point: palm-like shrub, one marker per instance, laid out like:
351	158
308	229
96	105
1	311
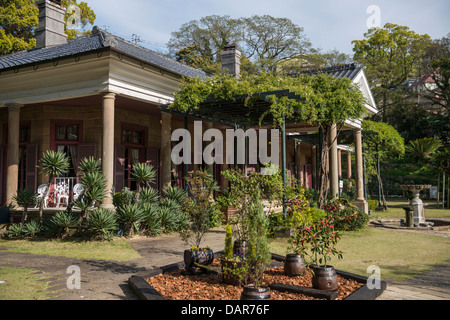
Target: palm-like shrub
144	174
25	198
32	228
175	193
102	222
423	149
94	183
130	216
148	195
15	231
152	219
62	222
53	164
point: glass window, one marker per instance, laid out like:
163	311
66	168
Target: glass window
67	133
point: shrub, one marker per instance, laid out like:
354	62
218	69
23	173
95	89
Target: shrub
61	223
152	219
102	222
130	216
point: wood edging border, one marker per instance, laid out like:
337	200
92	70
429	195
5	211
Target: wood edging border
144	291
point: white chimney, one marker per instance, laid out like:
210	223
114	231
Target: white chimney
231	60
51	24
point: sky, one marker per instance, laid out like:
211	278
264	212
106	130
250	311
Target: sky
329	24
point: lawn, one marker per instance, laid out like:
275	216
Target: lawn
117	250
21	284
400	254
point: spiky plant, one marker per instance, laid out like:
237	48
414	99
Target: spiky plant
102	222
25	198
62	222
152	220
423	149
53	164
144	174
131	217
176	193
148	195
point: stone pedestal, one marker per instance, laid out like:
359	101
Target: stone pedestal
416	203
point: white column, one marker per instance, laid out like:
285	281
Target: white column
12	174
360	202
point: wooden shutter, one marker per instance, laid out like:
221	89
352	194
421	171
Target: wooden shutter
119	168
2	181
31	166
86	150
153	159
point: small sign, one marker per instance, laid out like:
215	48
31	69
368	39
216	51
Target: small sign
433	192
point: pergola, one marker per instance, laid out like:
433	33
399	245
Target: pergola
236	114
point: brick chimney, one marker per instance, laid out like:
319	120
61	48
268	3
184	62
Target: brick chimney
231	60
51	24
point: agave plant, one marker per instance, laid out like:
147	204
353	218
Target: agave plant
25	198
15	231
62	222
175	193
148	195
32	228
131	217
152	218
102	222
53	164
144	174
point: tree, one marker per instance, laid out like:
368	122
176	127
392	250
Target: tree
25	198
52	164
423	149
262	39
391	54
144	174
18	20
79	13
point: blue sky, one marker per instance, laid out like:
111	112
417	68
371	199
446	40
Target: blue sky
329	24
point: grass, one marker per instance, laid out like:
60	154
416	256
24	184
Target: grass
21	284
400	254
117	250
395	210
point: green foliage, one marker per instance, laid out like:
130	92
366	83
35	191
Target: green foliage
329	99
390	55
199	206
423	149
152	219
102	223
23	230
54	163
228	254
18	19
61	223
25	198
87	17
130	216
144	174
126	196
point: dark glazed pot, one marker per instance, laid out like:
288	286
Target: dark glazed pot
201	257
294	265
250	292
325	278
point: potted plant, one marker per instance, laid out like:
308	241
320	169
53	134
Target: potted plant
322	239
200	208
259	255
232	264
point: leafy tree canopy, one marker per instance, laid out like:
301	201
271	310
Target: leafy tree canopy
19	20
263	40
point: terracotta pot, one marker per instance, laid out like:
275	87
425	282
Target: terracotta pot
294	265
325	278
201	257
250	292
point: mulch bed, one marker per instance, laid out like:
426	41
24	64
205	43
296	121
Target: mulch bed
176	286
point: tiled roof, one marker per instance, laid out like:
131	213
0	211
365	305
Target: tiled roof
91	43
349	71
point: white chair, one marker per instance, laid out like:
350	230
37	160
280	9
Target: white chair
40	194
62	193
78	190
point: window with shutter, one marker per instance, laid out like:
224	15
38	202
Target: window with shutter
119	168
31	166
2	175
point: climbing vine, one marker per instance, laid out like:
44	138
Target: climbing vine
327	100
